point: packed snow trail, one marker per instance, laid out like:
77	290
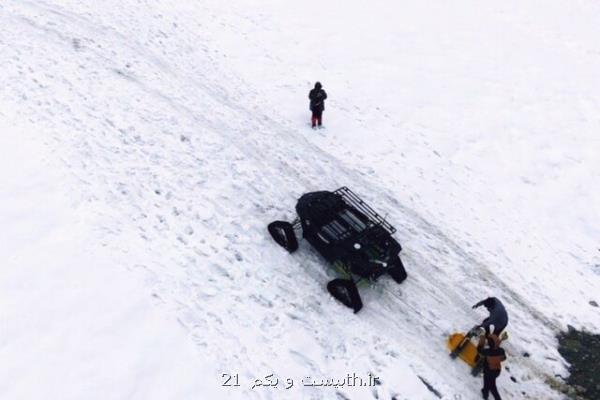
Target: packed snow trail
184	167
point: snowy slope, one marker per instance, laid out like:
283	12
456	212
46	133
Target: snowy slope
156	142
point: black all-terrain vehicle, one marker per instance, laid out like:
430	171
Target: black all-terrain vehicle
349	234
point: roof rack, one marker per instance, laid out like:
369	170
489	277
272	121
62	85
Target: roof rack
352	199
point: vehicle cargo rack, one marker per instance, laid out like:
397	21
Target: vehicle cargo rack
352	199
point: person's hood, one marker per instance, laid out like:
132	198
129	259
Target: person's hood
318	85
489	303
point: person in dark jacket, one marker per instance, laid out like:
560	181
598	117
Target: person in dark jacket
317	98
498	316
493	356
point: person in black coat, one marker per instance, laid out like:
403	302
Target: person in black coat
498	315
317	98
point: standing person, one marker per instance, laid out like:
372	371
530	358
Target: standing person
498	316
492	356
317	98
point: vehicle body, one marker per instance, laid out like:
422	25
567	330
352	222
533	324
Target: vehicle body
349	234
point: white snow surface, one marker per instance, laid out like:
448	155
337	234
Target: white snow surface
145	146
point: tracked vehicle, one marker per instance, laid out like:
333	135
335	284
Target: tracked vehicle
349	234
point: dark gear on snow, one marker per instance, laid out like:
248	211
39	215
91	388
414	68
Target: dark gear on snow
498	316
317	98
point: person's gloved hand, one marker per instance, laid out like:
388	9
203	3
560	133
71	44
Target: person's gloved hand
475	306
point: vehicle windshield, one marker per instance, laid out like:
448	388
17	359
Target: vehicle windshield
353	220
346	223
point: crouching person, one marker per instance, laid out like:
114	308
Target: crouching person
493	356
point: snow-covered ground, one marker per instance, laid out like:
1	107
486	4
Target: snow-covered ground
145	146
